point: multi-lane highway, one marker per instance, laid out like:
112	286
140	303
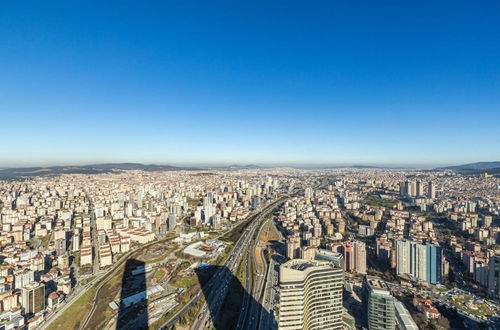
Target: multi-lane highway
217	287
267	317
258	308
249	315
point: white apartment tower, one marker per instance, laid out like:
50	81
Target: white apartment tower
310	295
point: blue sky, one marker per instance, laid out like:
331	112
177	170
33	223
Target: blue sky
266	82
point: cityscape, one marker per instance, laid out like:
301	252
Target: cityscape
234	165
251	248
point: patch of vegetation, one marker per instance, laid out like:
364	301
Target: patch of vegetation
376	201
74	315
184	281
159	274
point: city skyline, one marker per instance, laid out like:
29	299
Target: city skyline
226	83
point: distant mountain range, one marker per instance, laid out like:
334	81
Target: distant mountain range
12	173
479	166
84	169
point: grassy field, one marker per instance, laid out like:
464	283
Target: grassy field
159	274
184	282
379	202
75	314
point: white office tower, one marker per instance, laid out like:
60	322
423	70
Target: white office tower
310	295
431	190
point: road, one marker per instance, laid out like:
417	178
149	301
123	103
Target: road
94	238
218	292
102	274
267	319
250	312
218	285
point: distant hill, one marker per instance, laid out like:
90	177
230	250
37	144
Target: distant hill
481	166
84	169
365	166
247	167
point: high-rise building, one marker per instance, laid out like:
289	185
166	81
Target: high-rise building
210	197
431	190
33	298
412	189
60	246
354	256
310	295
420	188
293	247
308	193
494	277
208	213
403	257
172	222
23	278
255	202
348	250
422	261
378	304
359	257
76	240
403	188
434	264
418	260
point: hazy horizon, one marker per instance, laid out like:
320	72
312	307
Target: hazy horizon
260	164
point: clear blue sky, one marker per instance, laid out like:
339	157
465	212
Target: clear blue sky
211	82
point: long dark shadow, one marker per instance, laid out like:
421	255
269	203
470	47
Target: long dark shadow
133	309
225	298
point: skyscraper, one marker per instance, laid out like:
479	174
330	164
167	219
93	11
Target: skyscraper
310	295
360	257
172	222
292	247
378	304
354	256
348	250
420	188
402	257
418	260
33	298
422	261
412	188
434	263
494	277
431	190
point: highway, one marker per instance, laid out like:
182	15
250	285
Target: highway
219	284
218	293
249	315
267	318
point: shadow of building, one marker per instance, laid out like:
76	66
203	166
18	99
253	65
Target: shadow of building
133	307
225	299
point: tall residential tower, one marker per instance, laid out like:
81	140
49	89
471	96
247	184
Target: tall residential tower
310	295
